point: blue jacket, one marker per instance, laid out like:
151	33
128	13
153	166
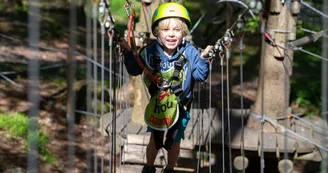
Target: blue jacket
199	67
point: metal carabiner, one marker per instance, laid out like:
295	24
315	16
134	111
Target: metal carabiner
164	84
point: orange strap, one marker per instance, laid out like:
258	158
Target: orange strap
155	79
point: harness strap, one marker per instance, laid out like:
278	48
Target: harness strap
175	87
182	97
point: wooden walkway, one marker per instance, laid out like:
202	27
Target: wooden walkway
197	134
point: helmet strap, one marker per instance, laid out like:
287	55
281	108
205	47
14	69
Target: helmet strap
183	40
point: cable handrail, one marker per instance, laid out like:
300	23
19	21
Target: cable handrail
265	118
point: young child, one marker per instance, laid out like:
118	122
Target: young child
169	67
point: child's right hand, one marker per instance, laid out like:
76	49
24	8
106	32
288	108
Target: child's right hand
124	44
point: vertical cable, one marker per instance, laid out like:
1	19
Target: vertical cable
127	96
198	126
114	120
202	121
71	96
211	123
262	163
88	94
192	113
286	87
228	108
324	84
110	101
242	97
95	79
33	85
120	105
102	95
222	116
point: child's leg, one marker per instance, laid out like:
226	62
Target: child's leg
173	155
151	152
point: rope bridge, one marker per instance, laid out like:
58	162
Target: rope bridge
216	138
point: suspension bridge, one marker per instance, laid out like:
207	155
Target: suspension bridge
219	136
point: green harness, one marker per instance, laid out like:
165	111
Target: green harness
168	97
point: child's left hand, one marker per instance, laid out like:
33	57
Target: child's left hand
206	52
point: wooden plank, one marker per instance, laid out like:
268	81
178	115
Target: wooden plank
304	130
132	168
141	148
250	139
286	143
144	139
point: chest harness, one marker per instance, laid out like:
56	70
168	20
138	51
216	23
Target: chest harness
175	82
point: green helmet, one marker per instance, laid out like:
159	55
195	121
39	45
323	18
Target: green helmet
170	9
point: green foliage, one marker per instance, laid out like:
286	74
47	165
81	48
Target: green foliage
306	79
42	142
3	6
16	124
252	25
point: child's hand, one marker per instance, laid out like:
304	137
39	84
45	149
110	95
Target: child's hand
206	52
124	44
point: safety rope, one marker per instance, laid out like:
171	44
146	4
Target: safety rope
130	11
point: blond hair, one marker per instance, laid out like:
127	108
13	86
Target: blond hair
164	23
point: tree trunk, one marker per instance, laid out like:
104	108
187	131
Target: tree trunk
273	98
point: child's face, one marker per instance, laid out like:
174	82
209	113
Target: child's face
170	36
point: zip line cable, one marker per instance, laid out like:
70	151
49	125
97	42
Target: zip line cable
241	3
197	23
290	46
11	81
61	51
314	9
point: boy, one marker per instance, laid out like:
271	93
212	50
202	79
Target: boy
169	67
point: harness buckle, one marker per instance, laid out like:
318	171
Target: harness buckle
176	88
164	84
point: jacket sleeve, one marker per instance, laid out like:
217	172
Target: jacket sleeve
199	65
131	64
